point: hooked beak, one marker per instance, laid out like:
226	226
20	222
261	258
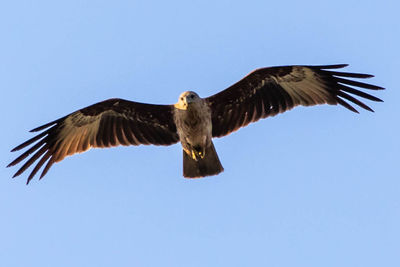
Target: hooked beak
188	100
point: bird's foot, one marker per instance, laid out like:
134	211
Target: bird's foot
194	155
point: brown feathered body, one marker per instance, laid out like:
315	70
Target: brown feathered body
192	117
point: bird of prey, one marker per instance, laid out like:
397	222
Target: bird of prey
193	121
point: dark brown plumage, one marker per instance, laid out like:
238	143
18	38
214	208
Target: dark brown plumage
264	92
241	103
105	124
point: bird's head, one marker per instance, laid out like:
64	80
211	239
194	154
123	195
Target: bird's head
187	98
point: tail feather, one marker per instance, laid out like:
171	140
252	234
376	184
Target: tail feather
209	165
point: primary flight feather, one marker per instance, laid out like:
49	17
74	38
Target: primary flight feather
193	121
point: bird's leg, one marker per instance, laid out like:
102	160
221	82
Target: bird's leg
202	153
194	156
198	151
190	152
188	148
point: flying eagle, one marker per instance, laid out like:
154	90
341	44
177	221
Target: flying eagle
193	121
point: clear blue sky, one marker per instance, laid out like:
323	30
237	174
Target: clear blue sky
315	186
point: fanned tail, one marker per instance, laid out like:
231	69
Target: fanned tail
209	165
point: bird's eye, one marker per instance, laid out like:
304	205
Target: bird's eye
181	98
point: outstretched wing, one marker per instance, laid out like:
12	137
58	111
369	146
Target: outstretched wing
109	123
268	91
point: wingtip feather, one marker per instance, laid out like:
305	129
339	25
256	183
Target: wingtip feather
37	129
346	105
29	180
47	125
333	66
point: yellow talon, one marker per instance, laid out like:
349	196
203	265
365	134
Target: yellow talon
201	155
194	155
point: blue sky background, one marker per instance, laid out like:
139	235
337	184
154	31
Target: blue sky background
315	186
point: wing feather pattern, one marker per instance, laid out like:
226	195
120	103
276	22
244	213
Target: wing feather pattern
269	91
109	123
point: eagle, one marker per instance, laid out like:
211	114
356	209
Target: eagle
193	121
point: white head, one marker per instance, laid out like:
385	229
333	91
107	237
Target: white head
187	98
